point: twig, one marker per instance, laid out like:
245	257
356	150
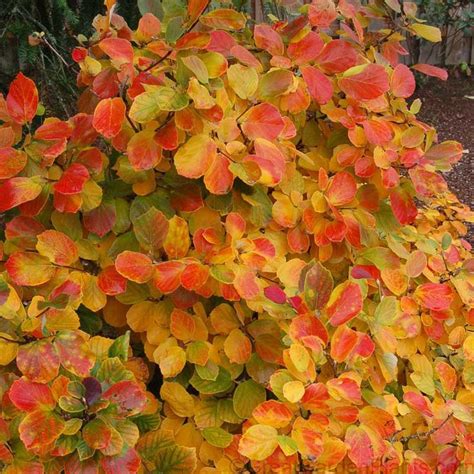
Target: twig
422	436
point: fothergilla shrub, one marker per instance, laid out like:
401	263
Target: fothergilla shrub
257	211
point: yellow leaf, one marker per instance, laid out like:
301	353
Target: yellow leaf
427	32
178	398
258	442
243	80
293	391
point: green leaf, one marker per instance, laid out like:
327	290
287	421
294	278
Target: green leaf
120	347
222	383
174	29
217	437
151	6
247	396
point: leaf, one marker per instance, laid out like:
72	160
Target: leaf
342	189
57	247
402	82
434	296
197	67
160	454
275	83
194	157
16	191
128	397
134	266
345	303
39	361
258	442
143	151
217	437
72	180
31	396
222	383
151	230
12	161
40	428
422	375
97	434
366	84
109	116
319	85
430	70
74	352
427	32
29	269
416	263
360	446
293	391
178	398
403	206
223	19
262	121
196	8
156	99
318	285
118	49
151	6
243	80
237	347
272	413
247	396
22	99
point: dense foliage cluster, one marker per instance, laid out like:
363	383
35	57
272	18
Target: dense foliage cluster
259	211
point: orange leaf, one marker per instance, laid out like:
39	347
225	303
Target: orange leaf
57	247
368	84
118	49
22	99
29	269
109	116
342	189
17	191
237	347
434	296
134	266
430	70
11	162
272	413
262	121
319	86
402	82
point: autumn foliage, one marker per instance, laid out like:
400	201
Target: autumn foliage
259	214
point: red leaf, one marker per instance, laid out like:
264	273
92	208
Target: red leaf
118	49
22	99
73	179
402	82
74	352
378	132
322	13
307	49
268	39
345	303
319	86
369	84
167	276
195	8
128	462
111	282
430	70
29	396
128	396
337	56
17	191
403	206
101	219
108	117
434	296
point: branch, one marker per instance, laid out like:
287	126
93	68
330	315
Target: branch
422	436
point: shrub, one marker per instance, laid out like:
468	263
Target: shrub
265	213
